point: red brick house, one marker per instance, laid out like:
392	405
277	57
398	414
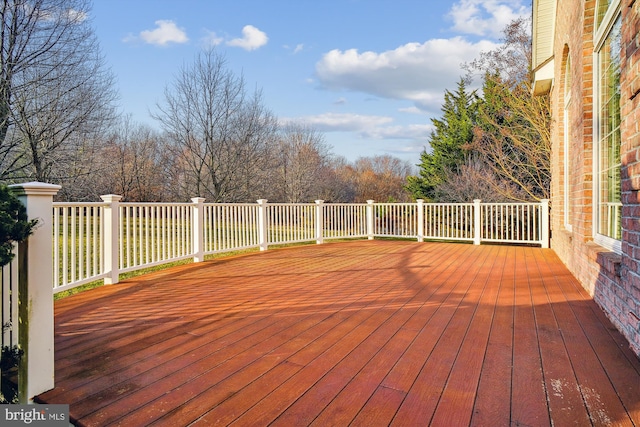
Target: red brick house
586	55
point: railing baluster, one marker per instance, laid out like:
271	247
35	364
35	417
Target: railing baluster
150	234
216	228
81	251
65	246
57	243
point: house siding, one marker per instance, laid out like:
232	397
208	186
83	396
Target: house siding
613	279
543	23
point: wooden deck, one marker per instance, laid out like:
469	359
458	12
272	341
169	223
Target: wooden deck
360	333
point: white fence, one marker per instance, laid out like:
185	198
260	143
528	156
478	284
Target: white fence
99	241
94	241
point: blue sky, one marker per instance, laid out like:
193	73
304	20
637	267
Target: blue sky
368	74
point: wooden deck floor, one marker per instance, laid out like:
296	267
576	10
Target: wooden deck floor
360	333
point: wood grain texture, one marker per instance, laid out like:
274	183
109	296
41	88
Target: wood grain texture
361	333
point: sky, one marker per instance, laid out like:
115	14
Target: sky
369	75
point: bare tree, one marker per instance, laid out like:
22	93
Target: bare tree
512	134
474	180
511	59
134	164
337	181
218	132
301	159
381	178
513	137
55	94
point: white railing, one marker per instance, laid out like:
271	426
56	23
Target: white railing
511	222
290	223
94	241
342	221
78	236
395	219
230	227
98	241
449	221
152	234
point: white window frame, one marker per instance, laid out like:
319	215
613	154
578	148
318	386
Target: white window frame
608	21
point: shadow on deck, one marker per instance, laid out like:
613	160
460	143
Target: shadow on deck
359	333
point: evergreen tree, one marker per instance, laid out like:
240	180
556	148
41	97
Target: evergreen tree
14	224
450	142
495	146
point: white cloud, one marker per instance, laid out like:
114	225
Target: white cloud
71	16
212	39
76	16
411	110
252	38
365	126
296	49
405	141
418	132
166	32
419	72
486	17
341	122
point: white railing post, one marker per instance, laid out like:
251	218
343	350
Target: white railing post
420	203
319	222
263	235
111	238
370	219
544	232
35	292
198	229
477	222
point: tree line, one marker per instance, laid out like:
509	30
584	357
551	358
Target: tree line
216	139
282	163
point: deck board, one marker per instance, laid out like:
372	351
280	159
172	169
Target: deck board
458	396
425	392
493	395
360	333
565	401
529	399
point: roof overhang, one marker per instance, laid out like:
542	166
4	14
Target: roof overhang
543	77
543	35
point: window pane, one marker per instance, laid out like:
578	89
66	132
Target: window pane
609	135
603	5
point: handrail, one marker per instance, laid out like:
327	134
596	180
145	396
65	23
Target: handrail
148	234
99	241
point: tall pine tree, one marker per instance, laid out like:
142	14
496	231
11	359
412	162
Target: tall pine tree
450	142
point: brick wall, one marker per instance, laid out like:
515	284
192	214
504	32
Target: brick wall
613	279
624	302
574	42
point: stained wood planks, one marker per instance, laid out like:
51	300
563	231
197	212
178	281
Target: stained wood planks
359	333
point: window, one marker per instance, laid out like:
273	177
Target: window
603	7
567	150
607	130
